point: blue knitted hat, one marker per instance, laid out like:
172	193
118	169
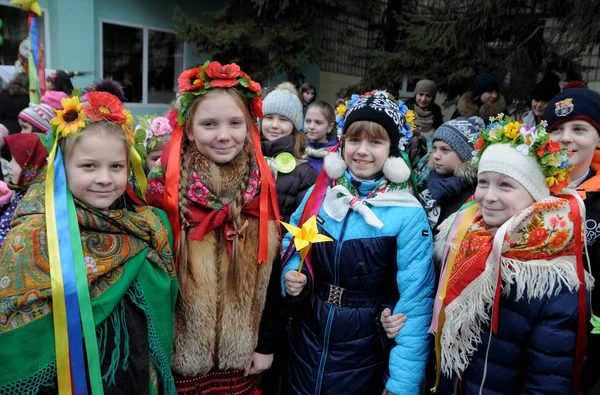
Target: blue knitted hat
572	104
460	134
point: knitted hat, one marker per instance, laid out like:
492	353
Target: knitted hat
484	83
426	86
380	109
525	154
547	88
397	120
572	104
459	134
283	102
38	115
53	98
504	159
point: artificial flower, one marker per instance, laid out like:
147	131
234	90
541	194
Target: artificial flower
223	76
160	126
70	118
189	80
254	86
128	117
512	130
480	143
104	106
410	116
341	109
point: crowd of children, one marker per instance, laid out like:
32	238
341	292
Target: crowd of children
238	234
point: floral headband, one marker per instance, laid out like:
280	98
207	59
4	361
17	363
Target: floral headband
405	124
153	132
198	81
529	141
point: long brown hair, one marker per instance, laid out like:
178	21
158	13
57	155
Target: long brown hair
185	273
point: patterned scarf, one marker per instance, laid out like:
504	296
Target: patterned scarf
533	251
109	239
209	211
342	196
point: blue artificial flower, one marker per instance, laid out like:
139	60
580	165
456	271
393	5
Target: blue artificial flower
402	107
340	121
353	99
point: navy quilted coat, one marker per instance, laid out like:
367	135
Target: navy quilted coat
337	345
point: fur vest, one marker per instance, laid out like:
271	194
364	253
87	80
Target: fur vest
216	324
468	108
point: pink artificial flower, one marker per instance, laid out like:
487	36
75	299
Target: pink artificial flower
5	193
160	126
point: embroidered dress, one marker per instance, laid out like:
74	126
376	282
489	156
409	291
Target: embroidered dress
128	259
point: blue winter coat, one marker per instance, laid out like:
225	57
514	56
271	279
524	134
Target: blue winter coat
339	347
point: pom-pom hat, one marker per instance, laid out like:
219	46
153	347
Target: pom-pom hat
397	120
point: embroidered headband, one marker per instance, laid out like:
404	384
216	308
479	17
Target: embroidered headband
528	141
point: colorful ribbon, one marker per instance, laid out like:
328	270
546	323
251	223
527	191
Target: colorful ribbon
138	171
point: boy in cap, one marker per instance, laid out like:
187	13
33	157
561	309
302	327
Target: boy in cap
453	178
573	118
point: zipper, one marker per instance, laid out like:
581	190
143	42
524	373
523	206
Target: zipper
336	264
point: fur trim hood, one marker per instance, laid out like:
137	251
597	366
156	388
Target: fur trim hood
468	108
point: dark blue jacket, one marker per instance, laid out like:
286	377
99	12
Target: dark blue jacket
532	353
337	345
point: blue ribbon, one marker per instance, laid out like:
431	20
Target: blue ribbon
78	370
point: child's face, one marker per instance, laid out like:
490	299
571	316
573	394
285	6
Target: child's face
499	197
581	138
14	171
489	97
365	156
219	128
25	126
97	169
275	126
308	96
444	158
316	125
152	157
424	99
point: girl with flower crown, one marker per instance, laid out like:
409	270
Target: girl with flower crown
86	273
220	196
379	261
155	132
511	311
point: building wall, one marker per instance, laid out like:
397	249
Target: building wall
332	83
74	41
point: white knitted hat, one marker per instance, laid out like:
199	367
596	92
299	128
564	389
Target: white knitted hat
504	159
283	102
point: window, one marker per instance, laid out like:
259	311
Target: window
14	30
146	62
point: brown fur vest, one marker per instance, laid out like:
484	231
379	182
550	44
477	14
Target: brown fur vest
468	108
216	325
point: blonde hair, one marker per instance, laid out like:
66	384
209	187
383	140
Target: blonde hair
185	270
104	128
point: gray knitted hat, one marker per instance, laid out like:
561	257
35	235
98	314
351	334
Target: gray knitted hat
283	102
426	86
459	134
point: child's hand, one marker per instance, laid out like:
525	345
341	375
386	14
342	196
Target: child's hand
392	323
294	284
258	363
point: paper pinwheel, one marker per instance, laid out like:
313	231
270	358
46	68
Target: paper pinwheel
305	236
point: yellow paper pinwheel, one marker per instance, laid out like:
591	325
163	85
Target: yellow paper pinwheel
28	5
305	236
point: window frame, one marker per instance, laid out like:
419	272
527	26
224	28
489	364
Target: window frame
145	51
46	43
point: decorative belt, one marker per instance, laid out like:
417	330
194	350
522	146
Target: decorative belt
341	297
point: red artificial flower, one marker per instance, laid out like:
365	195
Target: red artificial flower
172	117
553	146
542	148
219	72
254	86
104	106
223	83
480	143
256	105
189	80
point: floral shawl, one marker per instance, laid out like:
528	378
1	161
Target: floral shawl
537	256
123	250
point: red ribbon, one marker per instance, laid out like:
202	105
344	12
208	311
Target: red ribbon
582	322
171	196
